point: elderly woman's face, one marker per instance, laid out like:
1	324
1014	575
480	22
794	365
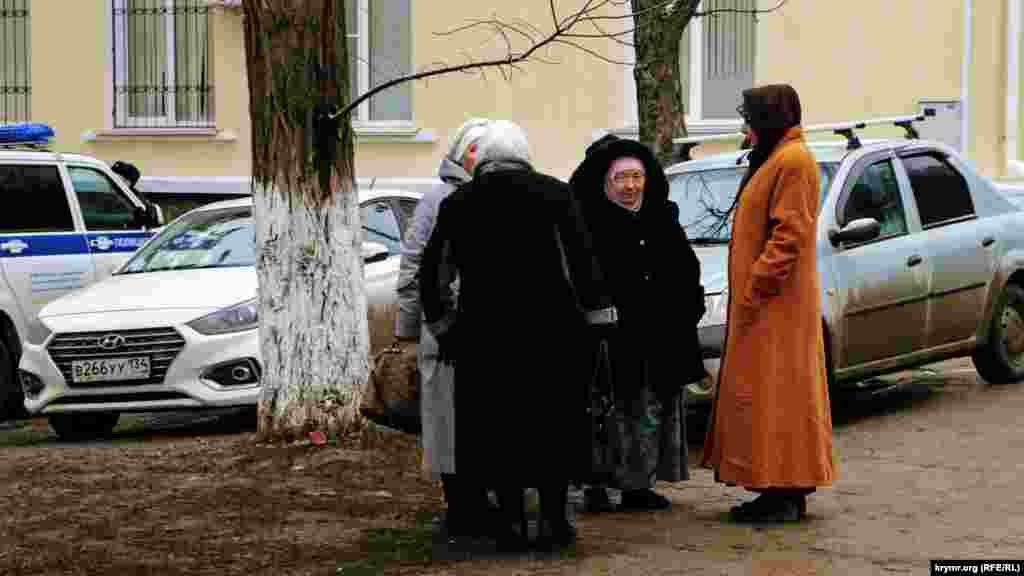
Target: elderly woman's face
626	180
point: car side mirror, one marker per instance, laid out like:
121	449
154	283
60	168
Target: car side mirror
148	216
374	252
155	215
859	230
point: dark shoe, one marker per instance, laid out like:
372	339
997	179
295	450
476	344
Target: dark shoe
596	501
510	541
556	537
770	509
457	526
643	500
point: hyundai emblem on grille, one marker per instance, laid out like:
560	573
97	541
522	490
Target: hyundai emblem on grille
111	341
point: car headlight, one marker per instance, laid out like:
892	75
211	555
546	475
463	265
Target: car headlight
236	318
715	308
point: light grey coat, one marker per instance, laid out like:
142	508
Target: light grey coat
437	395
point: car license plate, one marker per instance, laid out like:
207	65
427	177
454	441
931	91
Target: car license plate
110	369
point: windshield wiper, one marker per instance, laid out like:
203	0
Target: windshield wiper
181	268
709	241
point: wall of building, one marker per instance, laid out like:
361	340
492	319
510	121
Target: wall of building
559	104
72	91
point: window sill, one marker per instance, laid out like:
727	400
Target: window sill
693	127
164	134
392	133
1015	169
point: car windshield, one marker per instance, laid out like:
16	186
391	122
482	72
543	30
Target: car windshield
705	199
223	238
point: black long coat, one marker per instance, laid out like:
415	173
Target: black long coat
526	273
652	271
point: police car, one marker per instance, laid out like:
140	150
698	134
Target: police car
70	220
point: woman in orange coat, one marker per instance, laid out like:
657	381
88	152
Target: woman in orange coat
771	424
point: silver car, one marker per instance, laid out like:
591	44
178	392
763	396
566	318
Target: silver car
921	259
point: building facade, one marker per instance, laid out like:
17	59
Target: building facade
162	83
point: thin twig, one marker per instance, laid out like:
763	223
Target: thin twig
563	33
752	11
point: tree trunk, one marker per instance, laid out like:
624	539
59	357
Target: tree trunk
312	306
658	90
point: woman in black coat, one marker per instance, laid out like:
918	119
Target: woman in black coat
654	277
528	287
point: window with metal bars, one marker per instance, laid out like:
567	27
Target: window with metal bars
163	64
716	58
15	62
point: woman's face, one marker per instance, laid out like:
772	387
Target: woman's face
749	132
626	185
747	129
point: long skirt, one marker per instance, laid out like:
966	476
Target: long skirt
642	436
437	401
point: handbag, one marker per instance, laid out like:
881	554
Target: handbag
601	417
392	394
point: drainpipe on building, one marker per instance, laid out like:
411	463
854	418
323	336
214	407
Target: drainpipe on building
965	78
1014	167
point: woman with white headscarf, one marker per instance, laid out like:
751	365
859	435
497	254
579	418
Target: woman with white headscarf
528	288
436	384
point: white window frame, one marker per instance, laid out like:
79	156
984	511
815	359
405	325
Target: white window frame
695	112
128	125
361	120
1014	28
121	43
696	125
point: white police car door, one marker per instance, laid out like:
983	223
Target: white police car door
111	220
43	252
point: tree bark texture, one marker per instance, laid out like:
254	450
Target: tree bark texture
658	90
312	305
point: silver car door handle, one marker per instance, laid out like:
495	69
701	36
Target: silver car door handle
988	241
914	260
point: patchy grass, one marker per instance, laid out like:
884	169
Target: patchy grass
384	547
25	433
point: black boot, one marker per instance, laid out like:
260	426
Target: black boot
646	499
596	500
773	506
456	521
559	532
512	533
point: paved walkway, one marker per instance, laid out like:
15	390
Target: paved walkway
931	470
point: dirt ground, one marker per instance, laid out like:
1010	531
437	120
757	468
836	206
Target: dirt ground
929	470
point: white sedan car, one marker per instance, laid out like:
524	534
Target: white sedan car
176	327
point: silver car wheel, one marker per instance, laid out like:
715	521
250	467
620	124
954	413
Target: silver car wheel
1012	322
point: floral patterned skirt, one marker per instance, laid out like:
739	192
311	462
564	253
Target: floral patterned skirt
641	441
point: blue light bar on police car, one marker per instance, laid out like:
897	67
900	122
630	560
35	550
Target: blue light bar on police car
25	133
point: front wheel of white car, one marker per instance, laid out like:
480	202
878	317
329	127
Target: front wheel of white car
1001	360
84	426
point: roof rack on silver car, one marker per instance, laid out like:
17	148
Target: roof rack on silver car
845	129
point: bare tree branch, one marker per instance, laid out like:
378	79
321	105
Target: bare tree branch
752	11
594	53
565	32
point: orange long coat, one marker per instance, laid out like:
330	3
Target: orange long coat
771	424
